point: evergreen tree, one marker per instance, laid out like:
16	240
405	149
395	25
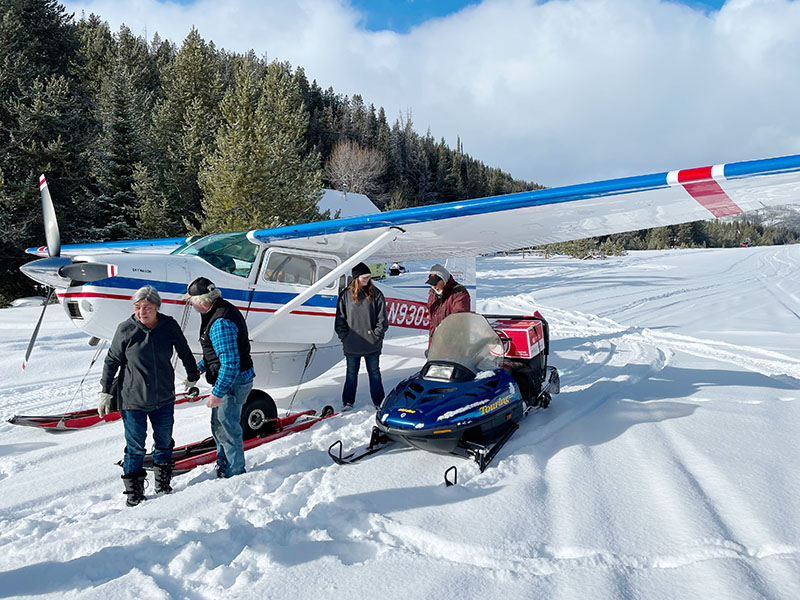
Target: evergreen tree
684	235
152	204
98	49
184	124
258	175
44	125
124	118
659	238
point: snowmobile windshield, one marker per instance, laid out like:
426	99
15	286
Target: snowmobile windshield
466	339
229	252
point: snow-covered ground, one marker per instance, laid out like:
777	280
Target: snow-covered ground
666	468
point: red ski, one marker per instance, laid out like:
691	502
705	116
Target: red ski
204	452
84	418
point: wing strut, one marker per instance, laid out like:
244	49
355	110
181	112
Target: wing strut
388	236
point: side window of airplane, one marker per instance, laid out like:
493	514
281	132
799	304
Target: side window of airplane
288	268
325	266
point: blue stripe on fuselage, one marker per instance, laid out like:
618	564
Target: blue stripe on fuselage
241	295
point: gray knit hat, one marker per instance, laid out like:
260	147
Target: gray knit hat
149	293
437	272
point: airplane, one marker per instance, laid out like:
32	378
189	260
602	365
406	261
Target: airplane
286	280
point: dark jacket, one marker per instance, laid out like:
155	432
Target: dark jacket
361	326
222	309
143	358
454	299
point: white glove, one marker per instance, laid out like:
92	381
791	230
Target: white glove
104	404
189	383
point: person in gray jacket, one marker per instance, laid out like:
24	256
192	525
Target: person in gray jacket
361	323
141	352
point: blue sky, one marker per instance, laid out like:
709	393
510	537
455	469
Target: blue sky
556	92
402	15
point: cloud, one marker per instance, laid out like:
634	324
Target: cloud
555	92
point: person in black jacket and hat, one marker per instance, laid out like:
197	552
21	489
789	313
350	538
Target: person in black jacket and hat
141	352
361	324
228	367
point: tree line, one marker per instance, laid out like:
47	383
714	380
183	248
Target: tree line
697	234
145	138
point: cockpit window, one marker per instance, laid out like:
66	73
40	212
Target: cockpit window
288	268
229	252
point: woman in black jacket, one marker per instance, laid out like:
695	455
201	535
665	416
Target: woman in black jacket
361	323
141	352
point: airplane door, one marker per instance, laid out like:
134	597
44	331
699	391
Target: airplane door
284	274
178	275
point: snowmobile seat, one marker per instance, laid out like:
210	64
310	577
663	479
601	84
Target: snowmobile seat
526	374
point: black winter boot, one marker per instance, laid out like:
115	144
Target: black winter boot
162	472
134	487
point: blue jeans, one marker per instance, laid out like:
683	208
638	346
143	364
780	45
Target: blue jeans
227	429
135	422
351	378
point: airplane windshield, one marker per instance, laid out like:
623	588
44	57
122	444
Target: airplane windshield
229	252
468	340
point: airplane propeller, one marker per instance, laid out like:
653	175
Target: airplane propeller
58	271
53	238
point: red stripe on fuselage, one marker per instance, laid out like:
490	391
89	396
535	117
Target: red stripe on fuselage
703	188
168	301
294	312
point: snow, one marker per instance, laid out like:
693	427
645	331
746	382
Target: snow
666	468
347	205
28	301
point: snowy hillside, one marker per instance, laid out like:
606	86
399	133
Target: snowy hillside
666	468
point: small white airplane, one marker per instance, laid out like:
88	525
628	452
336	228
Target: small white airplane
286	280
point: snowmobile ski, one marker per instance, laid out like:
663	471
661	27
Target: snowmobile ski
189	456
378	441
86	418
484	455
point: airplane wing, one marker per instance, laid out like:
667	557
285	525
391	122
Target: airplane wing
157	246
480	226
473	227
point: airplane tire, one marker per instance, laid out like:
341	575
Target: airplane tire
258	415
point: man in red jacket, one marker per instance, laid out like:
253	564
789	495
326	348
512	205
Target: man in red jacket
446	297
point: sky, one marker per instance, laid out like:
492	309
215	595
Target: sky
665	469
556	92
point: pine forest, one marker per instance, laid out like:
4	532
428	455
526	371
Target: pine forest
152	138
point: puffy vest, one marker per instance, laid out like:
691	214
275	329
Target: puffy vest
222	309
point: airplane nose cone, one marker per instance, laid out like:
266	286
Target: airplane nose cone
46	271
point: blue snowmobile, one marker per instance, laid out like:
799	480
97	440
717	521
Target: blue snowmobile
483	374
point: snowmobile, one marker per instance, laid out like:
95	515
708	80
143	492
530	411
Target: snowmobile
483	374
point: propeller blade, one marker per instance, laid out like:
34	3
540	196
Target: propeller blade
51	233
82	272
36	331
